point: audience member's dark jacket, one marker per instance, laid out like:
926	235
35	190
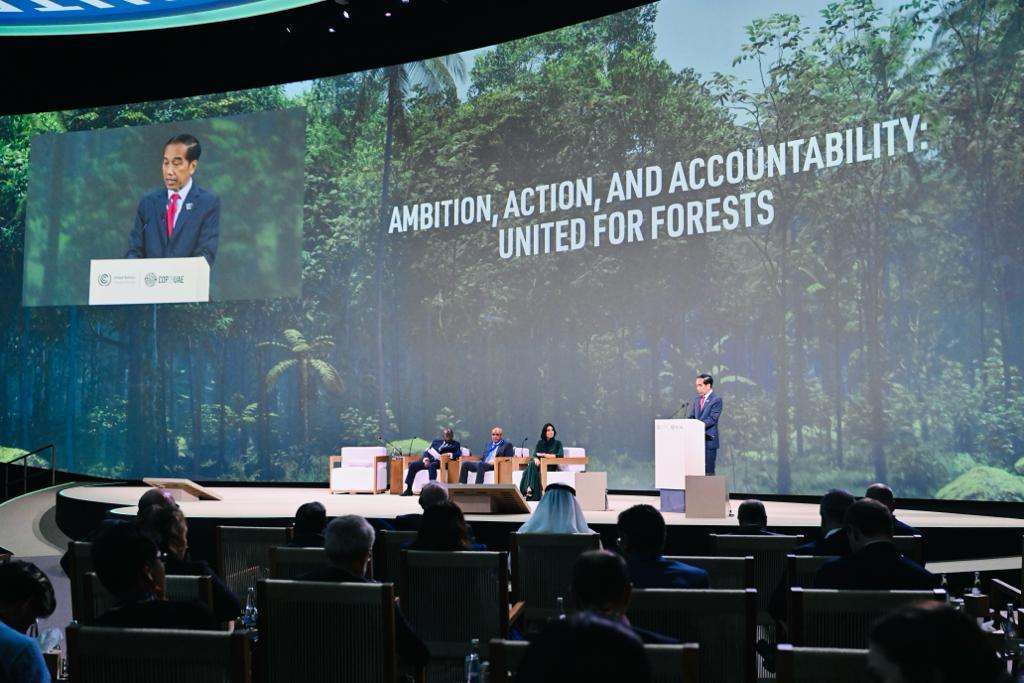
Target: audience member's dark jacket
193	616
834	544
307	541
878	566
411	648
226	605
658	572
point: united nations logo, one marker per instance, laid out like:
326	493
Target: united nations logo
150	279
103	279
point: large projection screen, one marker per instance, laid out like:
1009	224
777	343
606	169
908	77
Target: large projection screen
818	205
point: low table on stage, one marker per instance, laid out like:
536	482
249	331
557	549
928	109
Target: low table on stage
483	499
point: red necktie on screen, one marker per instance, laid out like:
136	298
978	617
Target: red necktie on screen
171	211
701	409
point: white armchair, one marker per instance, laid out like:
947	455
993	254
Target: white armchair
358	469
574	460
423	476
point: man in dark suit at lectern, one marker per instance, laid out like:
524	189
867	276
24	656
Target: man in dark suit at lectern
707	407
180	219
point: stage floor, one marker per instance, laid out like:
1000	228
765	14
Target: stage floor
281	502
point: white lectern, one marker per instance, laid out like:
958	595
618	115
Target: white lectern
149	281
678	453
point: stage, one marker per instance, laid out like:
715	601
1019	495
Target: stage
949	536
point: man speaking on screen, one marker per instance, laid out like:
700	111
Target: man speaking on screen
707	407
180	219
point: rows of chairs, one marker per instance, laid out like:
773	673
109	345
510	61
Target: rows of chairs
451	598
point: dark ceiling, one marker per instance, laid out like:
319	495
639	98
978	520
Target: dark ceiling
62	72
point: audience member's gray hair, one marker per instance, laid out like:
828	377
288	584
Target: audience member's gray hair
348	537
432	493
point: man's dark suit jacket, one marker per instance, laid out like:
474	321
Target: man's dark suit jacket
878	566
454	448
506	451
709	416
411	648
196	230
658	572
836	544
903	529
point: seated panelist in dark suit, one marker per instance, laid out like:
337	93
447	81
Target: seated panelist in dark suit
446	444
498	448
875	563
180	219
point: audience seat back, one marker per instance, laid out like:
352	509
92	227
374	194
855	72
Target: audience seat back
129	655
801	569
769	553
451	598
542	567
842	618
721	621
242	554
97	600
324	632
287	562
820	665
912	547
723	572
390	546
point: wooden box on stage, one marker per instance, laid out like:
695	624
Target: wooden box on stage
707	497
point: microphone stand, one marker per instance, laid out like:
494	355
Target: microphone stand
682	409
396	453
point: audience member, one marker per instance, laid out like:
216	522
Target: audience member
883	494
348	543
931	643
169	527
557	513
642	540
153	497
444	528
585	647
875	563
130	565
600	584
833	541
308	527
432	493
753	519
25	595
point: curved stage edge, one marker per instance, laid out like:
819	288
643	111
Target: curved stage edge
949	535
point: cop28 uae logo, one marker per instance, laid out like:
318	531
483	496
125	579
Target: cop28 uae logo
52	17
150	279
103	279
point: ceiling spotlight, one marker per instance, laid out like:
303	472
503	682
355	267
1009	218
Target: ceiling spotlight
330	30
345	14
387	14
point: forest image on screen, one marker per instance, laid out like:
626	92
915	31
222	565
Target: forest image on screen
821	210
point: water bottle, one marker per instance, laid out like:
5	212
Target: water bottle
976	588
561	608
1010	624
473	662
250	613
945	586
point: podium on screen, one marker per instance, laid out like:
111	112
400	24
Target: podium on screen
149	281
